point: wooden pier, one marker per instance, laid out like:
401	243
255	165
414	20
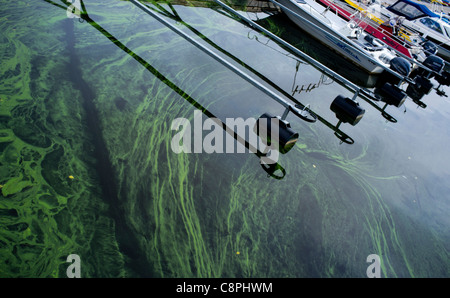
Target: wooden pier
247	5
261	6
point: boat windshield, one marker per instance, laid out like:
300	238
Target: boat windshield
432	24
447	30
439	27
410	10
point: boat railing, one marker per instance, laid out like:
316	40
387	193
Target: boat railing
438	8
404	34
321	15
363	19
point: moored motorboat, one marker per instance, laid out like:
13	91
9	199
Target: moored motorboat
373	13
414	17
340	35
362	18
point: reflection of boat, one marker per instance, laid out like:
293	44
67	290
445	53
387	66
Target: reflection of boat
338	34
312	47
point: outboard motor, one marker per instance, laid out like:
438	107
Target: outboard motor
268	126
429	48
422	81
347	110
434	63
400	65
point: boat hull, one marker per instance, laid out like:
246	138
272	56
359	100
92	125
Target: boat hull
337	44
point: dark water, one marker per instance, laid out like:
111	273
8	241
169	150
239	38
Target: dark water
87	166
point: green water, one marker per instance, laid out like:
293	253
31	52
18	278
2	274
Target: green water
87	166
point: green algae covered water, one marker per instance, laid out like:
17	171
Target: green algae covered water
87	166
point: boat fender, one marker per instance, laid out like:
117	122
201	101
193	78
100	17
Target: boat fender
347	110
400	65
284	136
429	48
434	63
391	94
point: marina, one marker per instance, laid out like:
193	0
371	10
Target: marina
131	137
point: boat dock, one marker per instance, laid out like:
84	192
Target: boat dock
247	5
261	6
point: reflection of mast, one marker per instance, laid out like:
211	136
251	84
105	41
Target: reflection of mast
271	169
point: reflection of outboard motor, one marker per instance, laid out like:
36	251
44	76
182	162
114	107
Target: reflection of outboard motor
416	94
347	110
391	94
267	126
429	48
423	85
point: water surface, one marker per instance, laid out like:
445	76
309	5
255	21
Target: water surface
87	166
